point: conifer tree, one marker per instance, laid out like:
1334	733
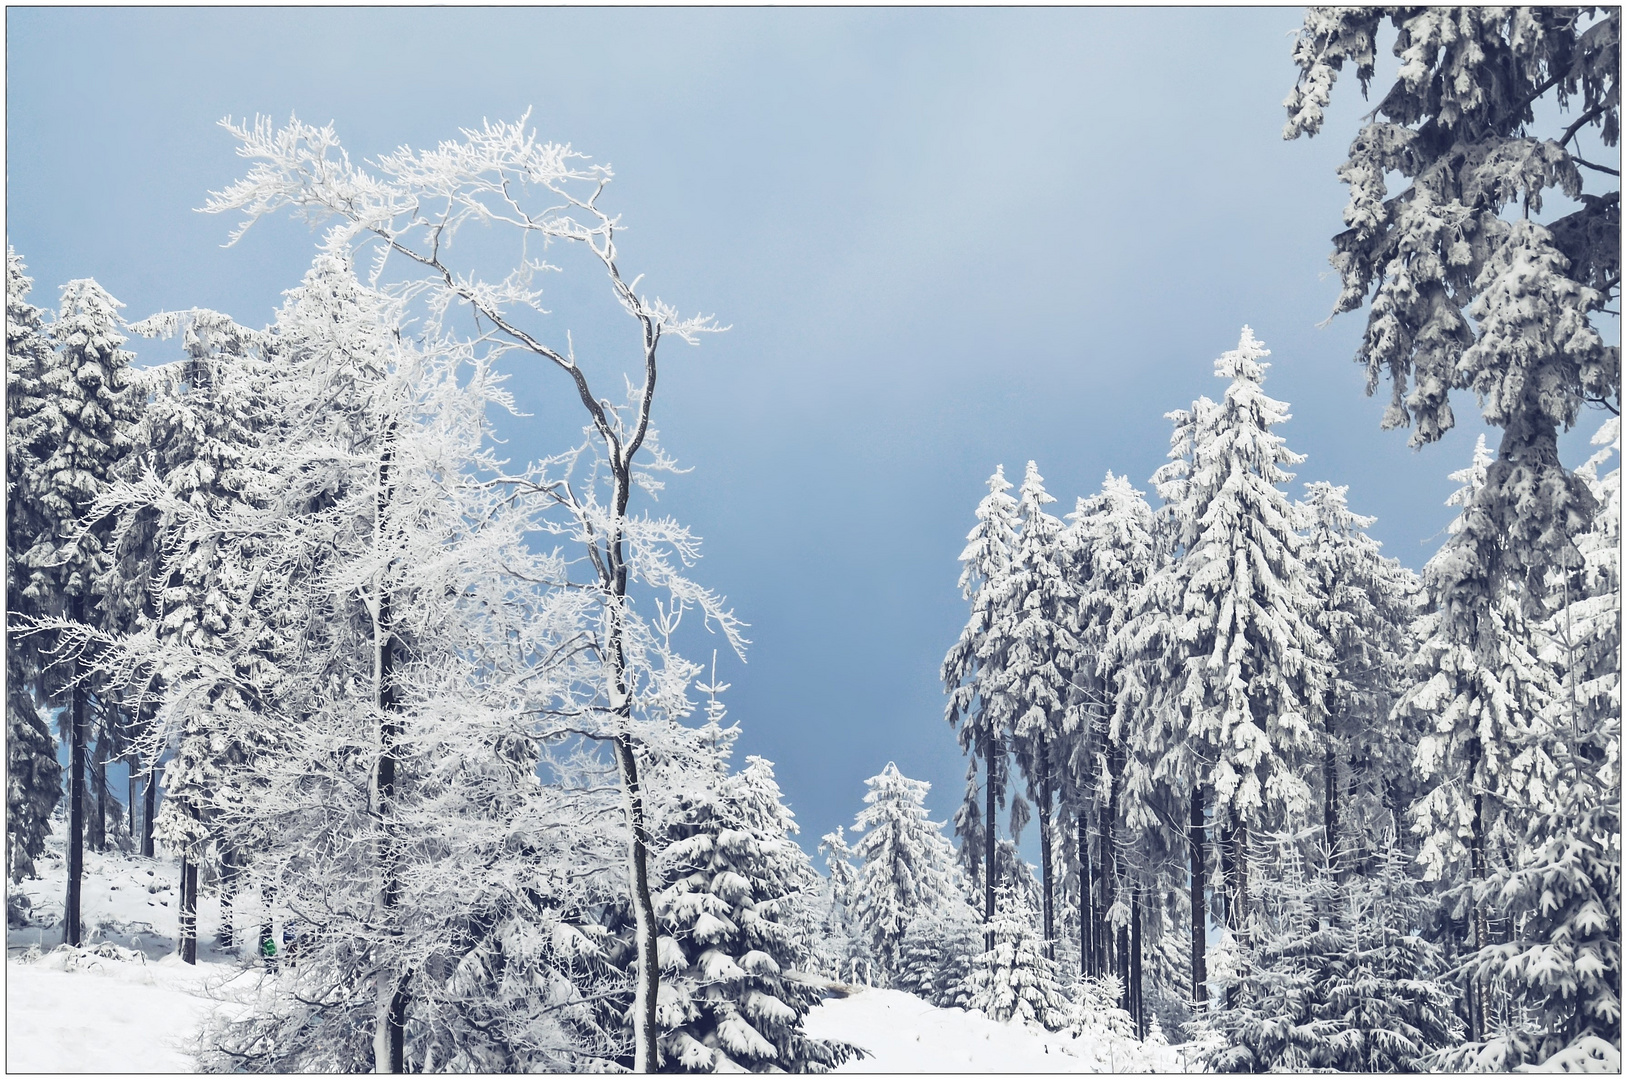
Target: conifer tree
909	866
974	670
1224	636
33	775
730	998
88	408
1112	536
1034	606
1365	614
1014	979
1476	691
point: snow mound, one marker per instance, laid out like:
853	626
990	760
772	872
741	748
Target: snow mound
902	1033
1587	1055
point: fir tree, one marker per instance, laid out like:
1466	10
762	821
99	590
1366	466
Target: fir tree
730	997
972	672
88	408
33	775
1034	604
909	866
1014	980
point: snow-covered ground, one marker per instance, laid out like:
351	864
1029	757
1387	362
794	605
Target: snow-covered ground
124	1002
905	1034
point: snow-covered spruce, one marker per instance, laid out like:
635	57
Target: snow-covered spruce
732	997
909	866
33	776
1014	979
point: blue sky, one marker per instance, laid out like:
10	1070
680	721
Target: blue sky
944	239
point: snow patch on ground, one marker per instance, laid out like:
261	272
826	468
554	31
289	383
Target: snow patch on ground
124	1002
905	1034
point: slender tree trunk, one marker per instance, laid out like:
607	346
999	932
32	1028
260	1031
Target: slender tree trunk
991	753
1115	872
1477	918
189	910
149	808
98	820
130	794
1330	813
646	1030
1135	964
389	1033
1237	900
228	892
76	797
1047	878
1087	902
1200	911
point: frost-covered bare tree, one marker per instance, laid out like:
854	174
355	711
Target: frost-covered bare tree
409	207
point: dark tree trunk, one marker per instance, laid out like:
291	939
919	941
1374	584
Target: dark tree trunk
1110	856
389	1042
1135	964
98	819
991	754
1087	902
228	892
76	800
189	910
1330	813
1200	911
149	808
1237	896
1047	878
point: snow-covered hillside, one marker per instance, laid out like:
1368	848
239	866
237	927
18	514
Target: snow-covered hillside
902	1033
125	1002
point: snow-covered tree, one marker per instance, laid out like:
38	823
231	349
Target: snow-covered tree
908	864
1033	608
1113	549
1014	979
1365	614
1224	637
33	775
973	670
731	996
937	954
411	206
88	407
1478	687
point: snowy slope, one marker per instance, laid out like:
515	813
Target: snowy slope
125	1002
905	1034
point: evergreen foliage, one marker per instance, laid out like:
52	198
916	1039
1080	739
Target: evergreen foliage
1014	980
908	864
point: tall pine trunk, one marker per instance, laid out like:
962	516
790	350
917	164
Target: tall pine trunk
149	808
98	820
76	797
1115	769
189	910
1087	901
1330	813
991	753
1135	964
1200	911
1047	879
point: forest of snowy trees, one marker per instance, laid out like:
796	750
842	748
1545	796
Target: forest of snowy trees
1295	806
